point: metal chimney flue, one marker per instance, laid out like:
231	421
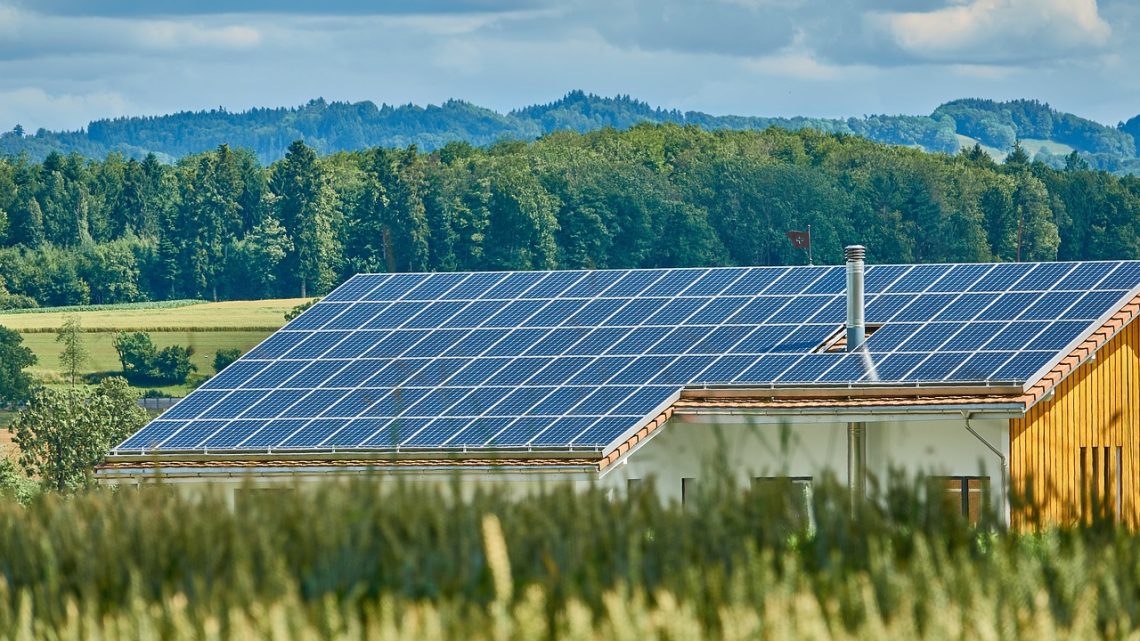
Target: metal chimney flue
856	325
856	334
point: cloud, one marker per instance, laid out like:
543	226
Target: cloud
36	107
997	31
150	8
26	34
64	62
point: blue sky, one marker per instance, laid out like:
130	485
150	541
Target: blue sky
66	62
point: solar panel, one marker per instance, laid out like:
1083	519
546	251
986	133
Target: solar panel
575	359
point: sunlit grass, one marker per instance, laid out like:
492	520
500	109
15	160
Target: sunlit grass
207	327
265	315
378	561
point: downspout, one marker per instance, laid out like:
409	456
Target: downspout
856	334
1004	500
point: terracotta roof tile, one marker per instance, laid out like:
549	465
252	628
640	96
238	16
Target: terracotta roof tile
1040	388
641	435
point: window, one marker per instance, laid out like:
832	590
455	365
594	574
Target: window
1102	483
246	498
965	494
688	489
796	489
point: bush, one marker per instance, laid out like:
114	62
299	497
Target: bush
16	301
143	362
223	357
172	364
16	485
136	354
300	309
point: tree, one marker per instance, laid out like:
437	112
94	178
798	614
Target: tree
306	207
15	383
253	262
74	354
141	360
172	364
1074	162
62	435
223	357
136	353
1017	156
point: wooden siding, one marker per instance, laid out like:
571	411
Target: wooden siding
1074	436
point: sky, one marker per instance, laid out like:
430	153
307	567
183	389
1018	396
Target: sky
64	63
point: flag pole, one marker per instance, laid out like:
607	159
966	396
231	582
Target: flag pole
809	246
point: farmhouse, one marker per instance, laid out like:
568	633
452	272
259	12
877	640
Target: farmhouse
984	375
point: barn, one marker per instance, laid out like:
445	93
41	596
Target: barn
993	378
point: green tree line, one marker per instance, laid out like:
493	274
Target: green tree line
220	225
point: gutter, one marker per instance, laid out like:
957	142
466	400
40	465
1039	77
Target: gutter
1002	461
993	410
140	473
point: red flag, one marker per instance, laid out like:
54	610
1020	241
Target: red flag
800	239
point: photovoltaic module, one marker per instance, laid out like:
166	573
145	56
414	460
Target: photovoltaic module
577	359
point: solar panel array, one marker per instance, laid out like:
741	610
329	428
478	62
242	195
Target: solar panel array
578	359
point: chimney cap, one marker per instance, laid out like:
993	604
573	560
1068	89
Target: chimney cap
855	252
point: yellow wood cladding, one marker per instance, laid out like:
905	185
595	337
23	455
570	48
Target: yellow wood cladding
1078	452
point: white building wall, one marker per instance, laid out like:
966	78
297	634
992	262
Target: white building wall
746	450
743	447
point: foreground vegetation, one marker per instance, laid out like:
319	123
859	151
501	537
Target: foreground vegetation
386	562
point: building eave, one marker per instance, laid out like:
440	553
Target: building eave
1041	386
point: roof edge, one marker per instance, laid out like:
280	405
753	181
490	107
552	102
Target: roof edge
850	391
1041	386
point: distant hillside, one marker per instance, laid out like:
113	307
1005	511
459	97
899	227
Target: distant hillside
1046	133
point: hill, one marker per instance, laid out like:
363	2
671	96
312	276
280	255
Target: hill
331	127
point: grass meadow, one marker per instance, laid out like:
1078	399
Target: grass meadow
207	327
378	560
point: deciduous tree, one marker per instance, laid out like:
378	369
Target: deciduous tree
63	434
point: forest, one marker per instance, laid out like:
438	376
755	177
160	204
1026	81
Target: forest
330	127
220	225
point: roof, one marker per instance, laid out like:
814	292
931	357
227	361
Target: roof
583	361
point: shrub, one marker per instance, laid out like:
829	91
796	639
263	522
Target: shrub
300	309
223	357
142	361
136	354
172	364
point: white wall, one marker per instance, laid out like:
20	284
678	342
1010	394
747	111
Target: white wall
744	448
750	449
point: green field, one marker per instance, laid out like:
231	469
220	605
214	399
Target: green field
1030	145
257	315
207	327
966	142
1034	145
